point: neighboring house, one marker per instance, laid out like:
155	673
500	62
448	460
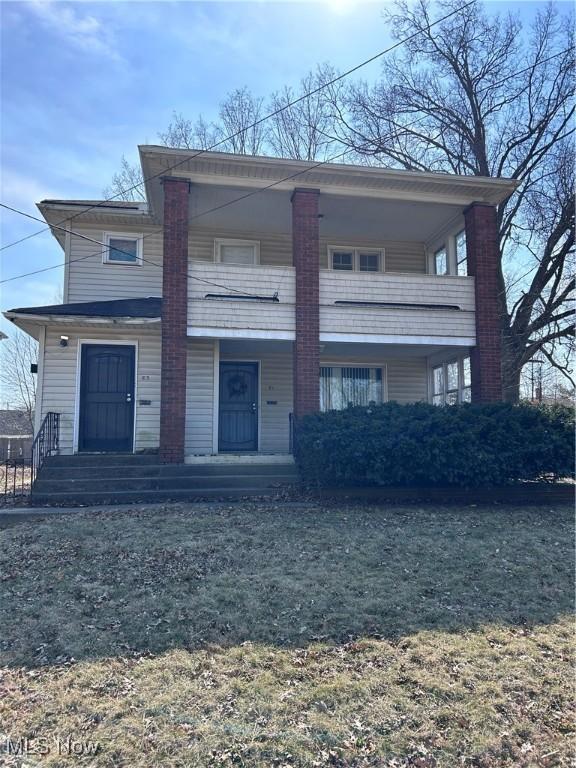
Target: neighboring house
15	435
249	290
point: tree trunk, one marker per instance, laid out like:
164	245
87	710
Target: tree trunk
511	369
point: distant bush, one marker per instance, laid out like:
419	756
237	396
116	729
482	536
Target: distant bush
424	445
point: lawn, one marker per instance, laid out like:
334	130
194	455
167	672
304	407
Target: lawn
262	635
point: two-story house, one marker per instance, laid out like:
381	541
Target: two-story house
247	291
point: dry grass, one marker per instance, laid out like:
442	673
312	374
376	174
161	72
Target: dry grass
264	636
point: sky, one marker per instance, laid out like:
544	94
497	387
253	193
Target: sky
83	83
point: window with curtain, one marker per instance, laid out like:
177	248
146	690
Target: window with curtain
343	387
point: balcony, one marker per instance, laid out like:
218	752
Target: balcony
391	308
227	301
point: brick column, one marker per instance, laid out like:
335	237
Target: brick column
482	254
306	254
174	320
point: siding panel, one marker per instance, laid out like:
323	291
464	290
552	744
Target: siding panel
91	280
199	397
60	374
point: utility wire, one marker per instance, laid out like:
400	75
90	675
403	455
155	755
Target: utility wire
261	120
158	231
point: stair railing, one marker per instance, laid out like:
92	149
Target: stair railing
46	443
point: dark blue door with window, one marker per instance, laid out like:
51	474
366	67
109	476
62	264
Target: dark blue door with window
106	398
238	410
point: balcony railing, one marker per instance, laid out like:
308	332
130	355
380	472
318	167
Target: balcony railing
227	299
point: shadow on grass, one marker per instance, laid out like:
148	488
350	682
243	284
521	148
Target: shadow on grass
94	586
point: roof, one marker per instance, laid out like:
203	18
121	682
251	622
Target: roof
122	204
204	167
150	307
15	424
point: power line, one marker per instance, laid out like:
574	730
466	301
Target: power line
242	131
158	231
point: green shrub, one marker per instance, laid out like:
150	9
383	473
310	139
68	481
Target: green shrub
420	444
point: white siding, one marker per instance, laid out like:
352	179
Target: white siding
405	379
199	397
241	314
275	249
399	256
91	280
275	394
60	379
402	289
245	314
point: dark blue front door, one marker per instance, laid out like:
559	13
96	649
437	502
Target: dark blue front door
106	398
238	412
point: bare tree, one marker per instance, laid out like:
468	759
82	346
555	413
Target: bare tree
127	183
304	130
478	95
17	353
184	134
238	114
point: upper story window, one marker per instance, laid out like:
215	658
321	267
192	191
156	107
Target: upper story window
237	251
356	259
441	261
460	245
451	382
122	248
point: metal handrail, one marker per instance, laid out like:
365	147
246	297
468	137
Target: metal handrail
46	443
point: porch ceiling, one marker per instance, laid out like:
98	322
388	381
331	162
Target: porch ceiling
348	218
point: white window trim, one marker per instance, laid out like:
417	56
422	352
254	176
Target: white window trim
356	250
361	364
122	236
219	242
444	364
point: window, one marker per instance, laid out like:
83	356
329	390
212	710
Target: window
356	259
461	262
237	251
369	261
122	249
342	260
441	261
451	382
343	387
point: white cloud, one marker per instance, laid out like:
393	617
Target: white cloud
83	31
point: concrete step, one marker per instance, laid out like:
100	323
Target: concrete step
73	472
47	484
101	459
151	496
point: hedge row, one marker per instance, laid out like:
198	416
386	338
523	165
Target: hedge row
423	445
